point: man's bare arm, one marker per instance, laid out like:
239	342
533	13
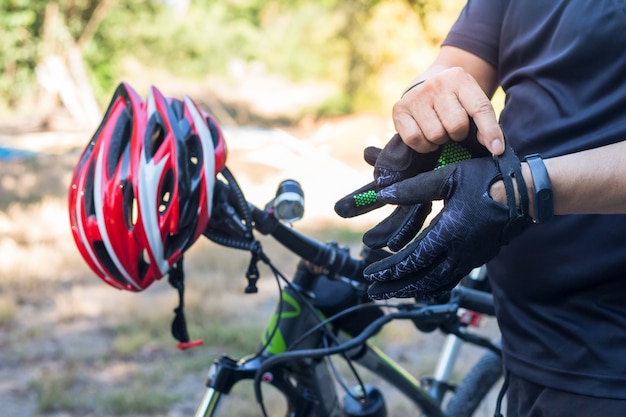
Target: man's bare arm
586	182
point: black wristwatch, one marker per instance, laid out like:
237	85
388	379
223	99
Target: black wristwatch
543	198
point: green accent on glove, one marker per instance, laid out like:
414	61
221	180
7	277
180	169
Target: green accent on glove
364	199
452	153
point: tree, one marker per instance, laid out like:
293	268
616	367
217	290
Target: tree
80	43
47	49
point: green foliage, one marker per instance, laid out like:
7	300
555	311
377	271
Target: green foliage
19	26
301	43
23	43
117	36
202	42
348	42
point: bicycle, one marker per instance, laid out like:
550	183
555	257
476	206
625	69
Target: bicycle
323	312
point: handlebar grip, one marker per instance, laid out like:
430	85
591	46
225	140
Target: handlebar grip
475	300
326	255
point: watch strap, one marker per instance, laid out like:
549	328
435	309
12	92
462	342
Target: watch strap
543	201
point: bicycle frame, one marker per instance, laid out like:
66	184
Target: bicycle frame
439	384
289	322
289	355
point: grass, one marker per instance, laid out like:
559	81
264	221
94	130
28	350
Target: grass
139	397
55	391
65	390
8	311
132	338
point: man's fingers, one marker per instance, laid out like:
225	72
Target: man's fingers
422	188
480	109
439	109
408	128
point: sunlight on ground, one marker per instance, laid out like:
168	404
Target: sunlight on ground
35	241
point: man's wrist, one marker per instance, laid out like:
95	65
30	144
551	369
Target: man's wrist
528	179
542	195
498	192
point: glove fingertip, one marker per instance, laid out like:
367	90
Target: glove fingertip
370	154
344	209
374	241
376	293
357	203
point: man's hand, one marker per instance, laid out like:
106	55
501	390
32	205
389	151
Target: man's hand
439	109
468	232
395	163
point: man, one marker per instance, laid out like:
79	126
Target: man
560	285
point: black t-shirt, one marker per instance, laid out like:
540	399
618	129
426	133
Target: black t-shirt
560	287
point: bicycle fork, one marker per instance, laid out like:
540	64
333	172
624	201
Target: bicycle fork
439	383
291	320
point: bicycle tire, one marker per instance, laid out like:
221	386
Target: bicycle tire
475	386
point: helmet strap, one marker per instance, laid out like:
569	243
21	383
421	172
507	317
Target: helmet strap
176	278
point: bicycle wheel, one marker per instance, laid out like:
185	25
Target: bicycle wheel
473	389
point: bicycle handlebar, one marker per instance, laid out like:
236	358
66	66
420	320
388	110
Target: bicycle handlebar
339	261
475	300
328	255
233	219
239	216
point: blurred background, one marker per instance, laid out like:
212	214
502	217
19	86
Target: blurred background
300	87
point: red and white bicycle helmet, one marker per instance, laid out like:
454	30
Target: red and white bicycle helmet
142	190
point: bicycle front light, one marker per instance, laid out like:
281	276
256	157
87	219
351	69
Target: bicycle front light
289	201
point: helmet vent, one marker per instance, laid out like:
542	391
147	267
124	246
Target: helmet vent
165	200
145	258
175	242
155	134
111	269
119	141
143	264
215	134
90	208
167	187
194	155
134	214
131	212
157	138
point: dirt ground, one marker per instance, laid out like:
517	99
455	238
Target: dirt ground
71	346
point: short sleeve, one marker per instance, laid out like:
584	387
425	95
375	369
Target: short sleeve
477	29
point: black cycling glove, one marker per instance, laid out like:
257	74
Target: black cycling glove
403	219
395	163
468	232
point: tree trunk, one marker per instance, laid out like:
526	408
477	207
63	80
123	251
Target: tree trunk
62	72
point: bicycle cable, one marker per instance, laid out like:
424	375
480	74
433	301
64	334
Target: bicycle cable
321	326
372	328
249	243
279	276
323	352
